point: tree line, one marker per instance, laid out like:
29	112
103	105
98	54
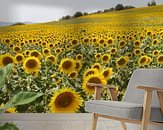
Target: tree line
118	7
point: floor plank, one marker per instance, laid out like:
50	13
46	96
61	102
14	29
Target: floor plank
41	121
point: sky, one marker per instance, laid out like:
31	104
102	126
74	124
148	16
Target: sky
39	11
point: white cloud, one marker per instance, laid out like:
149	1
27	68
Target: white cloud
36	13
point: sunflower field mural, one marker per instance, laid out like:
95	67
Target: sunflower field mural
58	59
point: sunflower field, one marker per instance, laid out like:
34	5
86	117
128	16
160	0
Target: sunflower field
58	59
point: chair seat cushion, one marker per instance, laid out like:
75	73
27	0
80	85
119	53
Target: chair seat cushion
131	111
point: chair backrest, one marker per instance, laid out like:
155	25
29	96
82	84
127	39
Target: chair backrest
146	77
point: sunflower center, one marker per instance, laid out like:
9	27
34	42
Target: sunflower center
46	51
67	64
19	58
79	57
106	73
112	50
122	61
97	67
98	56
7	60
143	60
31	64
58	50
77	65
51	58
74	42
64	99
17	49
36	54
122	43
90	72
93	80
101	41
156	53
137	43
160	59
73	74
110	41
105	58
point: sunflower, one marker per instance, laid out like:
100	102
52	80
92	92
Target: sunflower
122	44
101	41
155	42
65	100
46	51
6	59
143	60
122	61
98	56
137	52
74	42
160	59
9	110
11	45
90	72
110	41
36	54
137	43
79	57
51	58
96	66
51	45
86	40
78	65
58	50
73	75
105	58
17	49
107	73
67	65
27	52
129	54
95	78
19	58
113	51
31	65
155	53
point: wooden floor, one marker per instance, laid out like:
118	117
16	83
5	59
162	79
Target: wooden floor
38	121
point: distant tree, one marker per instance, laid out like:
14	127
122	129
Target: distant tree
106	10
111	9
129	7
67	17
99	12
78	14
18	23
119	7
153	3
148	4
85	13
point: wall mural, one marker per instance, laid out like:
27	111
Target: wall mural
57	47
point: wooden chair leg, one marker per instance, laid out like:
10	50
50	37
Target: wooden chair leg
94	123
124	125
146	110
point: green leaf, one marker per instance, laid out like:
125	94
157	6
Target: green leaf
4	72
20	99
8	126
24	98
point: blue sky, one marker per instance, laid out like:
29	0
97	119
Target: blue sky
50	10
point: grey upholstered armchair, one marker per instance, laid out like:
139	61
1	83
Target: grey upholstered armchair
142	104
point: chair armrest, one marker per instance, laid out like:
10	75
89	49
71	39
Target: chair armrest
148	88
98	88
